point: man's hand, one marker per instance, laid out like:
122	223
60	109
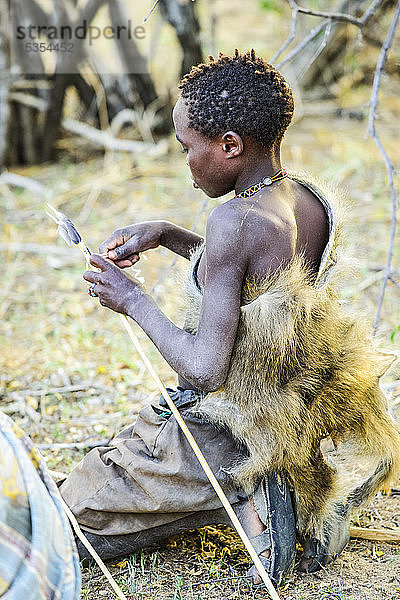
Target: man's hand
114	289
123	246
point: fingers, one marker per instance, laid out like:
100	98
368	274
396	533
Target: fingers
125	251
116	239
125	263
100	262
118	246
92	276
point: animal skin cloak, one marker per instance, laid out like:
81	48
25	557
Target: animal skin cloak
303	369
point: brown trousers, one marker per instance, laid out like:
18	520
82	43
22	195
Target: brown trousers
150	476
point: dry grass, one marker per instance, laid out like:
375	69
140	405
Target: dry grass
54	336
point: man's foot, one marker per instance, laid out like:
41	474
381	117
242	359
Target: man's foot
265	558
275	539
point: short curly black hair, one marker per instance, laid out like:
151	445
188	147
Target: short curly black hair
242	93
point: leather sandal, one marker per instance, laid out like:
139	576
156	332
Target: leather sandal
273	504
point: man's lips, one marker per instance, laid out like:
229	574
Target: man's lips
195	184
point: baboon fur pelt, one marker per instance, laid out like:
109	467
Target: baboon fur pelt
303	369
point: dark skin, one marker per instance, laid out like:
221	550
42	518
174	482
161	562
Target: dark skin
245	237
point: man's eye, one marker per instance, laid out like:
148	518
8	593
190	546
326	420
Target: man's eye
184	150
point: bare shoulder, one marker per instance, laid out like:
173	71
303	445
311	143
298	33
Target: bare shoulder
257	237
224	236
247	221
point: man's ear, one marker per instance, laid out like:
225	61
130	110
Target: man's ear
232	144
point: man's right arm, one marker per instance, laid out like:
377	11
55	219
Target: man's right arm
125	244
180	240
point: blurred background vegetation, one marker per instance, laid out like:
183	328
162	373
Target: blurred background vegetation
92	134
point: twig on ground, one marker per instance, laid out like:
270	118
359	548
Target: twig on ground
21	408
66	389
375	535
33	248
215	581
74	445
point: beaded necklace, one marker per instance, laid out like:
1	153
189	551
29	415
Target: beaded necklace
253	189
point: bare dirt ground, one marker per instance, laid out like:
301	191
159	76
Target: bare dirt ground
212	563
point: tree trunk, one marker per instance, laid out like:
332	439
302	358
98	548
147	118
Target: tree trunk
181	15
36	99
5	82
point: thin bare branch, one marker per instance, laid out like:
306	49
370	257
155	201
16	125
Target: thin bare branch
388	163
343	17
292	33
378	71
394	282
370	11
327	33
151	11
312	35
393	224
329	16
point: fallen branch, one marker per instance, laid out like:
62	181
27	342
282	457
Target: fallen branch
21	408
24	182
375	535
105	140
29	100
